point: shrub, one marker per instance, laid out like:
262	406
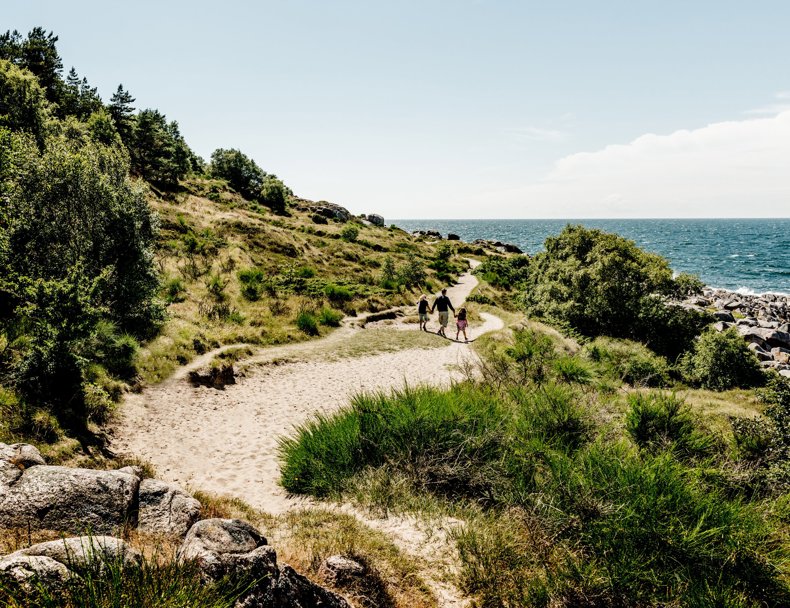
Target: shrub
330	317
274	194
242	173
306	321
533	352
349	233
603	284
412	272
628	362
504	273
252	283
338	293
573	370
720	361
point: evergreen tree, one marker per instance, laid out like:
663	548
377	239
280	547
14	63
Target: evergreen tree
159	152
122	112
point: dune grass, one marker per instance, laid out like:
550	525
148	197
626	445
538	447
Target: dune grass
562	506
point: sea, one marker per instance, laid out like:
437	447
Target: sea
751	256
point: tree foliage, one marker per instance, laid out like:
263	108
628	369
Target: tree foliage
603	284
159	153
23	104
243	173
720	361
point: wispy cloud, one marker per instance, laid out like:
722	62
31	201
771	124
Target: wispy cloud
780	104
540	134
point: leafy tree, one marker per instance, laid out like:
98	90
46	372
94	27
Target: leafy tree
73	204
37	53
122	112
274	194
242	173
23	104
159	153
102	128
603	284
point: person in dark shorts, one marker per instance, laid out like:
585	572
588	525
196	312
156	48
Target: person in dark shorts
444	306
422	310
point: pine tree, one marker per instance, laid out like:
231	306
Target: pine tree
122	112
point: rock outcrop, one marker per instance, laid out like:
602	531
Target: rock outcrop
71	499
375	219
762	320
164	508
62	498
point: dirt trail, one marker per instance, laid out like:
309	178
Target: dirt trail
225	441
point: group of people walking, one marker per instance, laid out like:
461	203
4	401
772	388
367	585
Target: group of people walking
444	306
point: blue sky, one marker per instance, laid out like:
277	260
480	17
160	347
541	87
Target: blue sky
468	108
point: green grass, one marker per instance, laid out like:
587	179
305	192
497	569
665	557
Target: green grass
559	508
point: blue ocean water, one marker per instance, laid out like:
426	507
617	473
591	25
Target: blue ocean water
750	255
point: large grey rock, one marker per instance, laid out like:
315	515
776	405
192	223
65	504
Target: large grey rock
14	459
761	354
724	315
69	500
782	355
296	591
375	219
332	211
29	572
83	553
233	549
785	373
165	508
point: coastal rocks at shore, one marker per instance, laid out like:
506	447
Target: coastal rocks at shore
762	320
496	246
34	495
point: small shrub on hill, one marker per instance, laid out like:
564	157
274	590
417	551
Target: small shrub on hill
330	317
504	272
349	233
307	322
628	362
338	293
720	361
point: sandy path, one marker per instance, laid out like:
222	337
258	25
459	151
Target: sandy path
225	441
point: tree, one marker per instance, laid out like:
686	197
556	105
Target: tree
122	112
273	195
603	284
23	104
159	152
242	173
37	53
78	98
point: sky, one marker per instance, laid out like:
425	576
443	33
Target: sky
464	108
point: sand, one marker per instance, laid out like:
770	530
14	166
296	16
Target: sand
225	441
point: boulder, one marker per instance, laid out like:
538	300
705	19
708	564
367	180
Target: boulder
30	572
84	553
785	373
233	549
510	248
375	219
296	591
761	353
332	211
67	499
453	237
724	315
164	508
339	570
782	355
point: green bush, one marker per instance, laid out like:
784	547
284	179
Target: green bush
338	293
573	370
504	272
242	173
306	321
628	362
602	284
720	361
252	283
330	317
349	233
174	291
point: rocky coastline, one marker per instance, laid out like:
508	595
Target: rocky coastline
763	320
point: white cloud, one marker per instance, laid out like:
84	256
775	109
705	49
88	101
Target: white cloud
727	169
781	103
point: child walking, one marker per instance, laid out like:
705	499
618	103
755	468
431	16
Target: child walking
461	324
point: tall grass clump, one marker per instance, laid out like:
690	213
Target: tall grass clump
307	322
658	421
171	583
330	317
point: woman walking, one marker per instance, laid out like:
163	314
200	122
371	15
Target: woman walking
422	311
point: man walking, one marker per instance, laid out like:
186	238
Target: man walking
442	303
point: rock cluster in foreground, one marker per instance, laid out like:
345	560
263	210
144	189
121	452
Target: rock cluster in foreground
762	320
103	503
